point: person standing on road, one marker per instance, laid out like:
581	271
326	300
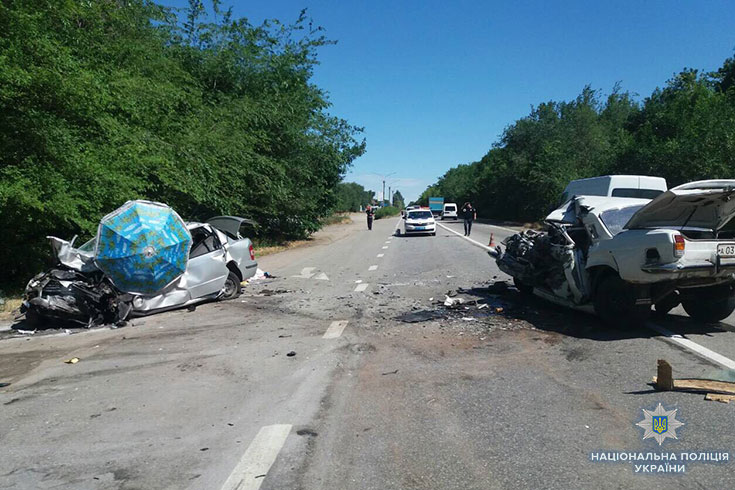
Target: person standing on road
370	215
470	214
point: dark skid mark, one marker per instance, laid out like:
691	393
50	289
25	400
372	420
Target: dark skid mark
307	432
420	316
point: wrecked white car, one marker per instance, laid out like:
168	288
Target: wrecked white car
77	291
619	256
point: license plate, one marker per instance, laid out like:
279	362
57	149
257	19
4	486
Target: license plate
726	249
420	227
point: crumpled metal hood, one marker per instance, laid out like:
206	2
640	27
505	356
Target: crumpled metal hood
707	204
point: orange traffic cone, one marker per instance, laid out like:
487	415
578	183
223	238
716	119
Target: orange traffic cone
492	242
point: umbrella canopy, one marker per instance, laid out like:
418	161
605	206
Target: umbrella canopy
142	246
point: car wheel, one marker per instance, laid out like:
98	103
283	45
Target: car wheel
710	304
522	286
232	287
615	303
433	234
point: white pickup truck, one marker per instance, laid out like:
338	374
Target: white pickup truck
617	256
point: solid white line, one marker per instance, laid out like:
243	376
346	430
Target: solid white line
385	247
258	458
372	267
380	255
466	238
361	287
335	329
693	346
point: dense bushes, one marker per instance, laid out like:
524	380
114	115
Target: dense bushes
683	132
105	101
386	211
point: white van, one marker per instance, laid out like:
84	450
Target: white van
635	186
449	211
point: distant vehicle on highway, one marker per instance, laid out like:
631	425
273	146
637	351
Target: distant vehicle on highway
409	208
617	256
436	205
450	211
418	221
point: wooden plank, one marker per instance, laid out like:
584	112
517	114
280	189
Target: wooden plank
716	397
702	386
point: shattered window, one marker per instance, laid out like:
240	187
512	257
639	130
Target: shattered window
615	219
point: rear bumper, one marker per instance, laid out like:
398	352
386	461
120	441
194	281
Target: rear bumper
720	265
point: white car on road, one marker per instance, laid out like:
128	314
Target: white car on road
618	256
418	221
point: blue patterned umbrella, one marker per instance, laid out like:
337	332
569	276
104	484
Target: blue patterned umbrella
142	246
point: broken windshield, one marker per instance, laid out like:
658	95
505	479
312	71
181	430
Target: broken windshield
615	219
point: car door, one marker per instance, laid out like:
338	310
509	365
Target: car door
207	269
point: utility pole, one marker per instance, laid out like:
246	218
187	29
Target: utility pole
383	190
390	197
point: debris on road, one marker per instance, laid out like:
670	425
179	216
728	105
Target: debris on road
291	353
3	385
73	360
390	372
714	389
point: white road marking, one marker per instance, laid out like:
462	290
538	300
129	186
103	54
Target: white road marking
321	277
358	281
335	329
372	267
693	346
385	247
380	255
362	286
258	458
306	272
387	241
485	247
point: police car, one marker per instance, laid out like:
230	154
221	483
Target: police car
418	221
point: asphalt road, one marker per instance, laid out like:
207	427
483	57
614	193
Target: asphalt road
406	394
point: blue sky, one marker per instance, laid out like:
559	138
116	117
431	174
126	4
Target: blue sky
434	83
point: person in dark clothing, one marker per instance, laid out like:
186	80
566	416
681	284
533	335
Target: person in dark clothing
370	215
470	214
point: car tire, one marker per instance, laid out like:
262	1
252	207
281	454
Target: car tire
433	234
666	304
711	304
232	287
615	303
522	287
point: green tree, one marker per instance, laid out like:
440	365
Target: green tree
398	200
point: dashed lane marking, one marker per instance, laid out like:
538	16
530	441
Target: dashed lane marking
258	458
361	287
372	267
380	255
335	329
693	346
385	247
